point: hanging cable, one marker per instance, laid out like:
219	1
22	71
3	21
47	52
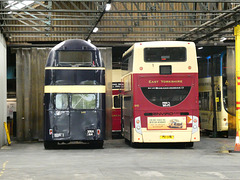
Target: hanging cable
95	28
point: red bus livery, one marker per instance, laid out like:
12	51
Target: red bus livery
160	93
116	109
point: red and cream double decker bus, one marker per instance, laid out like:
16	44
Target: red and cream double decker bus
116	108
160	93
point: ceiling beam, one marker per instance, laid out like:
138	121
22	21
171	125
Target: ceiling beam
117	11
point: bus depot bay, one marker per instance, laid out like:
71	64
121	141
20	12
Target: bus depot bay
160	93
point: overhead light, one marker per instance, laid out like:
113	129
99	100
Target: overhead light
89	40
108	6
200	48
15	6
95	30
223	39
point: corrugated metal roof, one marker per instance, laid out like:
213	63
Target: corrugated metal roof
126	21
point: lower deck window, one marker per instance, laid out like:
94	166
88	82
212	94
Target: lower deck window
61	101
116	102
84	101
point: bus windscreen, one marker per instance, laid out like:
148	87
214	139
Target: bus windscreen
165	54
75	57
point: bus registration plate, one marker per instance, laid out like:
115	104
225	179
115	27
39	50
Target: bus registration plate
167	137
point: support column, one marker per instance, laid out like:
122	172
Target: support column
237	56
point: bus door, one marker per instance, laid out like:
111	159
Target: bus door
61	120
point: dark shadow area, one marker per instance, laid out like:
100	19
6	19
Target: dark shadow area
207	133
117	135
160	145
74	146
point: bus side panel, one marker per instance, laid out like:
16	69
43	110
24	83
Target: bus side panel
127	106
206	105
47	121
116	113
116	120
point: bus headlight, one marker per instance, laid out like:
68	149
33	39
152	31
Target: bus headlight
138	125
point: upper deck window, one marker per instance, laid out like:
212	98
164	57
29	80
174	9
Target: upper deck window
75	57
165	54
127	61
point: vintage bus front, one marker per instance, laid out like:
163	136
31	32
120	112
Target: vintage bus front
74	100
164	86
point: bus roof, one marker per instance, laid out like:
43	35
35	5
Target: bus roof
158	44
69	45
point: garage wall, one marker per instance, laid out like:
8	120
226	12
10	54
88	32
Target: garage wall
3	89
30	64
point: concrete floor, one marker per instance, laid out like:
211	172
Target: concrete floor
209	159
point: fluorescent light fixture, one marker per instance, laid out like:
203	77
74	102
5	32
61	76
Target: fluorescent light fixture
95	30
223	39
108	7
200	48
15	5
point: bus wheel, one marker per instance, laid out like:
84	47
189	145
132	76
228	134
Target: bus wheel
100	144
132	144
189	144
50	145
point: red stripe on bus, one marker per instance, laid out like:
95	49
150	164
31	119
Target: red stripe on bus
237	102
237	108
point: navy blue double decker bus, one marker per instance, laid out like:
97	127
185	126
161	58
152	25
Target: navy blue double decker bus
74	101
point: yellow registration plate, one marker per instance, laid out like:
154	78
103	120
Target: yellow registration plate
166	137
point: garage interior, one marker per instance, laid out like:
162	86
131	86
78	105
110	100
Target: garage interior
28	31
30	28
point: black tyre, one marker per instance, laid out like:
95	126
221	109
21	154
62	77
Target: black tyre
50	145
97	144
189	144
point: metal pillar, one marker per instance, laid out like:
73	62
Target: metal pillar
237	55
214	135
